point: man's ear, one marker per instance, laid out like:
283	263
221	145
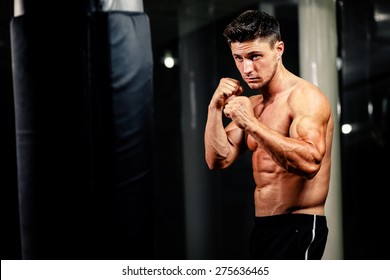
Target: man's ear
279	46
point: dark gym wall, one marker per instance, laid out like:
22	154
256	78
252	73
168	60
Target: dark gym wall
364	38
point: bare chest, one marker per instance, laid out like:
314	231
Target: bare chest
275	116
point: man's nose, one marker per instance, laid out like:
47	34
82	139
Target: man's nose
248	66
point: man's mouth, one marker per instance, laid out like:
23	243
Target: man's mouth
252	80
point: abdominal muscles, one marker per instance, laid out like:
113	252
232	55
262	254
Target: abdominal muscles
280	192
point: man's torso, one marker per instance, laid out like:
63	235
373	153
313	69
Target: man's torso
277	191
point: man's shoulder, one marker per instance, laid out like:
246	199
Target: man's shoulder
307	90
308	97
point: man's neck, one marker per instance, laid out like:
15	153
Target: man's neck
277	84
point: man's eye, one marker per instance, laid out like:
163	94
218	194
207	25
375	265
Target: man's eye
238	58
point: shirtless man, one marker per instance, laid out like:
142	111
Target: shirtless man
288	127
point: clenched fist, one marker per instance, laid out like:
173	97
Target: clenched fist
227	89
240	110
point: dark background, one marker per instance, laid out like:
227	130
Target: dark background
191	30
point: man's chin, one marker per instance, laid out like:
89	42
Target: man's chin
254	85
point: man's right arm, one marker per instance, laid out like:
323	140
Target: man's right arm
222	146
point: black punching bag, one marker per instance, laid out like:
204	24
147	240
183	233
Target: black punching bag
83	111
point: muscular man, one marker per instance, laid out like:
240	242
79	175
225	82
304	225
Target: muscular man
288	127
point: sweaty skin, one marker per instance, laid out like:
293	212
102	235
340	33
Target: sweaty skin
288	127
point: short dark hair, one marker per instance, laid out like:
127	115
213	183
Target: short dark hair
251	25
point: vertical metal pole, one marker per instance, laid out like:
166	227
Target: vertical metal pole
318	57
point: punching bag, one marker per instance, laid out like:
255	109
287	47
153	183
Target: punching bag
83	96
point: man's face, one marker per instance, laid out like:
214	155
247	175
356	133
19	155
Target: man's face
256	61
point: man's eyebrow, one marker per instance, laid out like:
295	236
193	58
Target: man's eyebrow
256	52
248	54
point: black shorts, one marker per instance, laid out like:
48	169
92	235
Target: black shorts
289	237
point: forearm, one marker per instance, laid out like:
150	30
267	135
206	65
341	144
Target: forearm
294	155
222	146
217	145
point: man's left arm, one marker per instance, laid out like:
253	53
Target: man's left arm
302	151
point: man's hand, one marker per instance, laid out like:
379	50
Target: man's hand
227	89
240	110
